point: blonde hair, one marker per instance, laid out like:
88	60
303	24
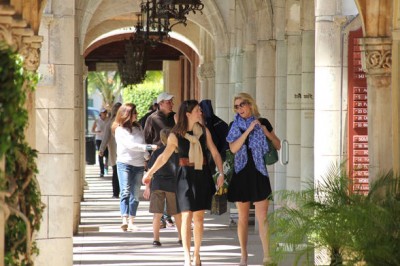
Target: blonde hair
250	101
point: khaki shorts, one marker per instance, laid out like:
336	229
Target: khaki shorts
157	202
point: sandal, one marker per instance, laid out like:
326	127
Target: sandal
156	243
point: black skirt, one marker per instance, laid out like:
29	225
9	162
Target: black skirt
249	184
195	189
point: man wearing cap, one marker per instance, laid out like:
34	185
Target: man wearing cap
162	118
98	129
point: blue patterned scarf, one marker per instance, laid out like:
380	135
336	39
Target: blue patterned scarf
257	144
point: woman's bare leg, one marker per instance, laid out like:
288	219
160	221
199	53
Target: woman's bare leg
198	219
243	228
261	216
186	234
178	222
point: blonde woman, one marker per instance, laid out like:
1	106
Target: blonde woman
250	181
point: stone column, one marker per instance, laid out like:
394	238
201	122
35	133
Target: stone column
265	97
223	93
206	76
377	63
55	128
307	91
327	95
79	136
396	101
281	95
249	69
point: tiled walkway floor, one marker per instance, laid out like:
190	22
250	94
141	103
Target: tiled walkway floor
100	240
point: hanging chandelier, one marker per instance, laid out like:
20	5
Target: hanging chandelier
179	9
133	66
159	16
155	22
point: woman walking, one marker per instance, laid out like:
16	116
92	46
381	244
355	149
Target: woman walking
250	181
195	185
132	151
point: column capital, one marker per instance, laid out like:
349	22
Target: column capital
18	34
206	70
377	55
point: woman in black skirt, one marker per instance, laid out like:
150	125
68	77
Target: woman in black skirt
195	186
250	181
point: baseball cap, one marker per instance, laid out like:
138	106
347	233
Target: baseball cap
164	96
103	110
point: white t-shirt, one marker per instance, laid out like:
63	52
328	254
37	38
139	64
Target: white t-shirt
100	125
131	147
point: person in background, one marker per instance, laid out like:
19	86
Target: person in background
161	190
108	143
98	129
195	185
250	181
151	110
162	118
132	151
218	129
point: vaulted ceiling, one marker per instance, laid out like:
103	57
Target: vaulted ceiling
112	49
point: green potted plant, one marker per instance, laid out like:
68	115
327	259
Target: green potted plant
348	224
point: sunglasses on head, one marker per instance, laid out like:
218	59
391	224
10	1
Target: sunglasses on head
240	105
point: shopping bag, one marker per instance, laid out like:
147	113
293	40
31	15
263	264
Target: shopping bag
219	203
271	156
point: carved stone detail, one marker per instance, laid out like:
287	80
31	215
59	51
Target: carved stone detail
31	55
20	37
377	55
379	59
5	33
206	70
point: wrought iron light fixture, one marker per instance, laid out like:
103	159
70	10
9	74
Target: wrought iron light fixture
179	9
155	21
134	65
159	16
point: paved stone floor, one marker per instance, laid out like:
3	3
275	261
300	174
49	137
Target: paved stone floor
100	240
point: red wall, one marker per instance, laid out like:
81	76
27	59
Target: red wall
358	117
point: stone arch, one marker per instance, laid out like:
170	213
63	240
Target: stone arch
376	17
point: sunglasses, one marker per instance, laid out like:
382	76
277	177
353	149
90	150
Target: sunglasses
240	105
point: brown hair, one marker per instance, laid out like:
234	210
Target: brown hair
250	101
124	117
164	133
181	125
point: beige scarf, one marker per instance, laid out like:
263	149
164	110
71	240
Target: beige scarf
195	151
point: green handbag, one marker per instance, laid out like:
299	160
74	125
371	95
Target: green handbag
271	156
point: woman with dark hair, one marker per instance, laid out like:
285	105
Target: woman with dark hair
195	186
250	180
132	151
